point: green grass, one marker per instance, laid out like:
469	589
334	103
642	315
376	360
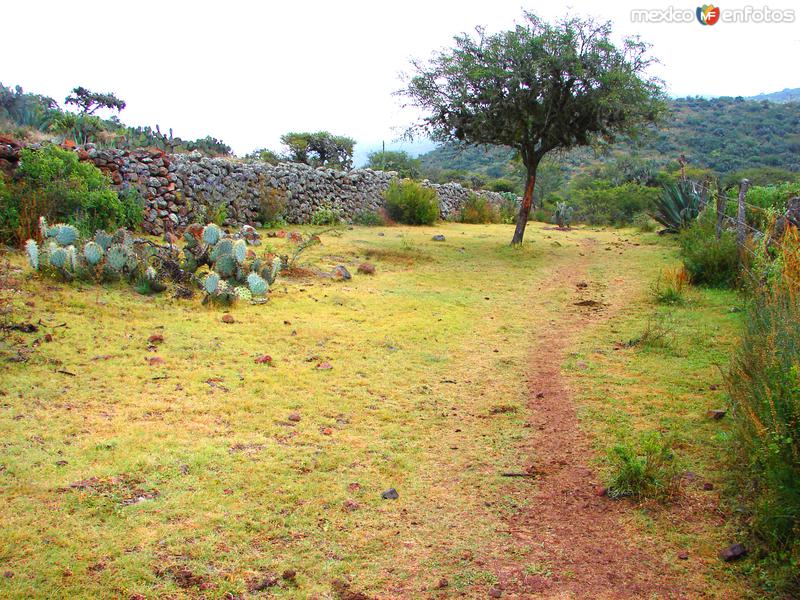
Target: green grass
125	477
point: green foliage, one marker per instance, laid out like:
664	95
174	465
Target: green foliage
601	203
264	155
131	212
211	234
677	207
369	218
643	469
563	215
319	149
410	203
52	182
93	253
508	207
670	286
326	216
88	101
502	185
257	284
644	222
394	160
764	388
477	209
271	204
708	260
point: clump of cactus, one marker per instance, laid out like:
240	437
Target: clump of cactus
234	272
563	215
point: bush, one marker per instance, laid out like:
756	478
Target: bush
764	388
52	182
644	223
369	218
271	205
326	216
644	470
508	208
708	260
410	203
604	204
670	286
477	209
131	209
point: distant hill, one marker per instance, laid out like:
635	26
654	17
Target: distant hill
724	134
787	95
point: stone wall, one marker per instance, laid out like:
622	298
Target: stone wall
181	188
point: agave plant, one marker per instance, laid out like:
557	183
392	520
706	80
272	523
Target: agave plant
677	207
563	215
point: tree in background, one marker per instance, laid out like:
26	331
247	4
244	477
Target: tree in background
320	149
88	101
264	155
394	160
536	88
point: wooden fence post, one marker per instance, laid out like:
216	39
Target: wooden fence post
720	210
741	234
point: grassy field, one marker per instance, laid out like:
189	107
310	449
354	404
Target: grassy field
205	474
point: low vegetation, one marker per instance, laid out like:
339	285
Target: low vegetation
411	203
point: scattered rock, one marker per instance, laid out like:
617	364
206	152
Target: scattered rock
683	555
289	575
733	552
438	238
340	273
442	583
366	268
326	431
264	359
354	487
48	337
228	318
351	505
708	486
259	585
495	592
581	365
155	360
390	494
156	338
294	417
716	413
324	366
601	491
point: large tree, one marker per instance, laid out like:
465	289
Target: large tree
319	149
536	88
88	101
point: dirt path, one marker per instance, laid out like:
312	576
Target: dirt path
568	530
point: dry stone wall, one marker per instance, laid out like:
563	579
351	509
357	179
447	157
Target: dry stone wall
184	188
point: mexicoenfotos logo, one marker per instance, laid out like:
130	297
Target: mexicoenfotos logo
708	14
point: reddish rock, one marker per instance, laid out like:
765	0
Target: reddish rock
264	359
155	360
156	338
366	268
324	366
228	318
294	417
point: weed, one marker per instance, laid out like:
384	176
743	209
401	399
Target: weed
643	470
670	286
656	334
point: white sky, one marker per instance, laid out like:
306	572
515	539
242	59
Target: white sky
246	72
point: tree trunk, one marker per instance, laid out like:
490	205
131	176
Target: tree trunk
525	207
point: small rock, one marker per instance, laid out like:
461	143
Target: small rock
733	552
8	574
155	360
683	555
264	359
716	413
438	238
351	505
390	494
156	338
354	487
708	486
228	318
289	575
340	273
581	365
366	268
48	337
324	366
443	583
495	592
601	491
540	395
326	431
294	417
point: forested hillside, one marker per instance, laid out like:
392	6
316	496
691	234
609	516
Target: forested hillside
721	134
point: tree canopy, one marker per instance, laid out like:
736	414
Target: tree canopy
319	149
88	101
394	160
536	88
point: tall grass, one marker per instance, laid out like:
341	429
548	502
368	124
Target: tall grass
764	387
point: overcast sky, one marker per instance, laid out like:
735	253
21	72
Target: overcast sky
246	72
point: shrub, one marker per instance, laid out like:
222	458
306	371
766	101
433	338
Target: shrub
540	215
764	388
642	470
708	260
477	209
131	212
52	182
604	204
563	215
326	216
410	203
271	205
508	208
670	286
369	218
644	222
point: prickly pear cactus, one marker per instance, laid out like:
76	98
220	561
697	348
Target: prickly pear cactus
117	257
257	284
58	257
211	234
240	251
93	253
224	247
225	265
242	293
66	235
32	250
211	284
103	239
